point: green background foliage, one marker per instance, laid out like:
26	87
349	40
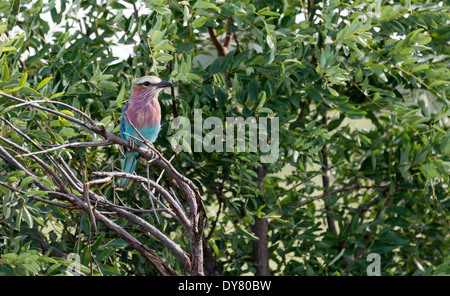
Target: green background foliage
360	88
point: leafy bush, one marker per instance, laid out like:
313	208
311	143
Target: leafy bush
360	90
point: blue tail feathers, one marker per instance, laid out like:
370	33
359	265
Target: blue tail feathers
128	166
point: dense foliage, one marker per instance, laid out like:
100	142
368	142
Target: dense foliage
360	90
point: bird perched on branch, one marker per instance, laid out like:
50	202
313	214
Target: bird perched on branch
144	113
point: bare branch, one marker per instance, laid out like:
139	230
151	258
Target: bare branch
52	160
50	102
76	144
181	214
86	195
37	106
52	173
5	155
221	49
36	197
150	193
193	221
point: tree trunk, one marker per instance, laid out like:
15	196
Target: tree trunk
326	181
260	229
209	262
261	247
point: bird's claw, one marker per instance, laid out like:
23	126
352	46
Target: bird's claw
151	150
101	125
154	156
132	144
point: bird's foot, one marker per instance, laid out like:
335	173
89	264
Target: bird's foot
151	150
132	144
154	155
101	125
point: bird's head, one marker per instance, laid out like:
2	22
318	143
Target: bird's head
149	85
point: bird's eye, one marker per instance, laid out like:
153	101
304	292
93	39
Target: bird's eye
146	83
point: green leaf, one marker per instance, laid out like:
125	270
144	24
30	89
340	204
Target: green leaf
43	82
39	221
107	85
26	181
6	212
191	76
385	13
163	57
68	132
337	257
267	12
109	270
362	228
264	110
47	259
2	28
164	45
215	248
18	219
314	94
7	48
4	71
356	114
162	10
120	96
205	5
157	36
53	267
246	233
68	112
365	139
23	80
105	254
36	192
198	22
119	243
333	91
27	218
270	41
359	76
430	172
380	73
97	243
420	68
57	95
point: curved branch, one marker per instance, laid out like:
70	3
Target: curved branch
193	220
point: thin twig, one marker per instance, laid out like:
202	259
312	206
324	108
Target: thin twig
86	195
47	168
51	102
62	146
36	197
52	160
162	173
181	214
150	193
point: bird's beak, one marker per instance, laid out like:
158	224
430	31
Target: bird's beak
164	84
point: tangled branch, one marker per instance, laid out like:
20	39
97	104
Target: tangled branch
73	193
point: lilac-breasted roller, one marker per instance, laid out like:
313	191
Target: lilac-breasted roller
144	112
